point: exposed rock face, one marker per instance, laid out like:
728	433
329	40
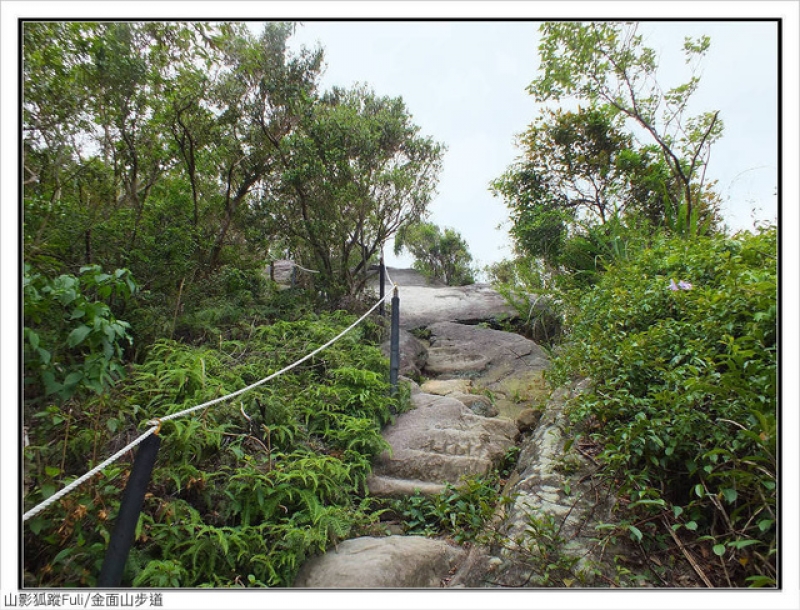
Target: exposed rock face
438	442
445	387
504	365
413	354
423	303
458	348
554	487
458	389
392	561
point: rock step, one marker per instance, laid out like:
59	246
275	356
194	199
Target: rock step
392	487
373	562
439	441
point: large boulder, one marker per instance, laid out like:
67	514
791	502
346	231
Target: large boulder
504	365
460	347
392	561
424	302
413	354
438	442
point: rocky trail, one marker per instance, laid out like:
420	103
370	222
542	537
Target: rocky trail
482	394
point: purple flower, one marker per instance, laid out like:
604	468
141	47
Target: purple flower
673	286
685	285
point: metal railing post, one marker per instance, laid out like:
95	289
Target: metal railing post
132	499
382	294
394	347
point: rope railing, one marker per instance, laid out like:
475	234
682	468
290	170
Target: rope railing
77	482
303	268
155	423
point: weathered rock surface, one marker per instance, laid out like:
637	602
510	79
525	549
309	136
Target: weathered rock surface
423	303
458	348
479	405
413	354
445	387
438	442
553	487
392	561
509	366
460	390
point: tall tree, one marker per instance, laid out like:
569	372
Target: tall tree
607	63
354	171
578	169
261	97
439	255
146	139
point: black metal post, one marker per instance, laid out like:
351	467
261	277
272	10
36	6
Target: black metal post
132	500
382	294
394	346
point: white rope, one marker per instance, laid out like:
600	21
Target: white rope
303	268
386	271
266	379
156	423
39	508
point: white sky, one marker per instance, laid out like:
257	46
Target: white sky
464	83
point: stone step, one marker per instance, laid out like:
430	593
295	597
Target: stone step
380	562
439	441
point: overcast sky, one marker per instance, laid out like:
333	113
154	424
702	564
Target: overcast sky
464	83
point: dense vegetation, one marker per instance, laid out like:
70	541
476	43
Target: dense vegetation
680	341
673	320
241	492
187	151
165	165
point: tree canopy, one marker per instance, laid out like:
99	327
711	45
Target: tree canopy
607	63
175	149
583	175
438	254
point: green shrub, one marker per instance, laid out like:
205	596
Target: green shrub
680	342
459	511
72	340
246	488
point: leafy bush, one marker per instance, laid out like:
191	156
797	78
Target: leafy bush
459	511
72	340
680	342
438	254
243	491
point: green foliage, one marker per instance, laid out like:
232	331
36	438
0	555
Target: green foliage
354	171
248	487
459	511
72	339
541	545
439	255
606	63
540	220
528	287
680	340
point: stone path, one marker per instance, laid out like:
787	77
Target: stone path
485	393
